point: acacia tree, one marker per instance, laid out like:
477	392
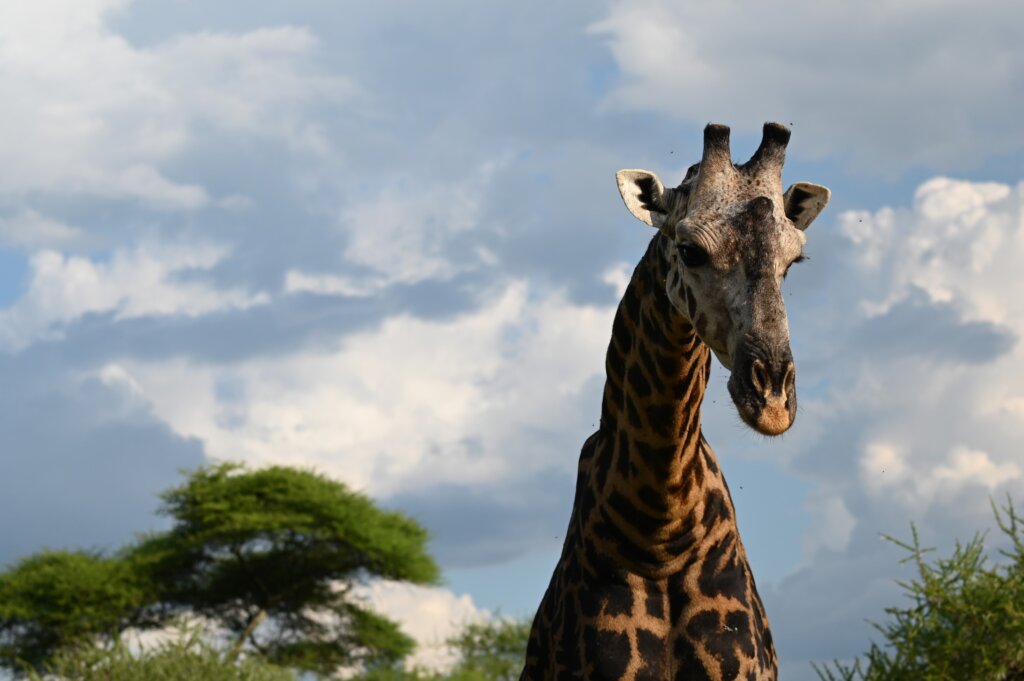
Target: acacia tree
965	618
272	556
58	599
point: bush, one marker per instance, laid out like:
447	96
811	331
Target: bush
489	651
187	657
965	620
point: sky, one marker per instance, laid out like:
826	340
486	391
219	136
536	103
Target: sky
383	240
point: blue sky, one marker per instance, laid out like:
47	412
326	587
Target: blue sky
384	240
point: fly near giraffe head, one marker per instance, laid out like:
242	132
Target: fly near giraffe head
735	235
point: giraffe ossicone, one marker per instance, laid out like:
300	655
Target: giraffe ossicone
653	581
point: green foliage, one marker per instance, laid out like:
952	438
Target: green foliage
55	599
965	619
490	651
270	555
284	546
187	657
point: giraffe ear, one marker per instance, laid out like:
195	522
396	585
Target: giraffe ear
645	196
804	201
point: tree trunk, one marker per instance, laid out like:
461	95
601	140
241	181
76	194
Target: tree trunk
236	649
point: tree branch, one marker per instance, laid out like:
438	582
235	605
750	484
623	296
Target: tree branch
250	629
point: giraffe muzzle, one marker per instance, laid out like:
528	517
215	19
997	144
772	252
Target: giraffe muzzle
763	388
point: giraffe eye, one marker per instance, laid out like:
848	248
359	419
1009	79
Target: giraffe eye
693	256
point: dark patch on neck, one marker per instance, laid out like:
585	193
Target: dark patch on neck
609	652
660	418
716	509
639	384
628	511
686	659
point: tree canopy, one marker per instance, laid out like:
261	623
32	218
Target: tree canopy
57	599
270	555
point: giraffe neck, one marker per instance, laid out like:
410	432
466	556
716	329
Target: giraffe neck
654	481
653	582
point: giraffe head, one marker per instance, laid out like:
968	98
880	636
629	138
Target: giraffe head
734	234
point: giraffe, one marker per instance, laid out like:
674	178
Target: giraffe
653	581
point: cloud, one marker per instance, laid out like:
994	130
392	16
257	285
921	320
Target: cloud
925	293
905	85
886	472
409	232
952	245
146	281
909	328
89	113
412	231
493	393
430	615
327	284
29	229
145	182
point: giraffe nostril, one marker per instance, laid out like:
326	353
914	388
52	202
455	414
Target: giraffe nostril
789	379
759	377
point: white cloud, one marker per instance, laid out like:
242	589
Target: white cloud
258	82
328	284
977	467
87	112
141	282
27	228
618	277
904	84
953	245
882	466
114	376
887	473
430	615
145	182
487	395
411	230
940	279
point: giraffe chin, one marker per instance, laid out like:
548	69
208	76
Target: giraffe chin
771	419
774	418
